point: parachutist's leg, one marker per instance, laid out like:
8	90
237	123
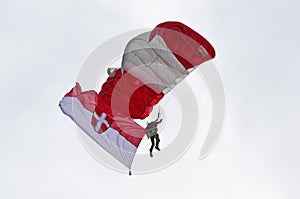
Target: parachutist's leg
152	143
157	142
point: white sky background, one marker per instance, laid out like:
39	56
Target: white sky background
42	47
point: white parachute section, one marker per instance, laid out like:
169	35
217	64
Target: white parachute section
153	63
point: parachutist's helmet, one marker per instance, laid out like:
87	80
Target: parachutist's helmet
111	72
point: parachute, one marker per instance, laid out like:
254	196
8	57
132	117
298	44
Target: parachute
153	63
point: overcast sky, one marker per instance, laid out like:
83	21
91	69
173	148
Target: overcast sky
43	45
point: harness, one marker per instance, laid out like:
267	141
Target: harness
151	129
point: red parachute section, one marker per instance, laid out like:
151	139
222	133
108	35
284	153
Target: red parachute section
189	47
126	95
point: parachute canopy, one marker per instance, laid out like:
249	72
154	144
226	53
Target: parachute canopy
152	64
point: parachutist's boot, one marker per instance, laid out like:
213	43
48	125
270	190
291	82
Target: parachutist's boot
151	155
157	148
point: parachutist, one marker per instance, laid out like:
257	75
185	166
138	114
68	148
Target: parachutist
153	135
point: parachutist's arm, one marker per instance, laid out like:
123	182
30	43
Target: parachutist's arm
159	121
158	117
